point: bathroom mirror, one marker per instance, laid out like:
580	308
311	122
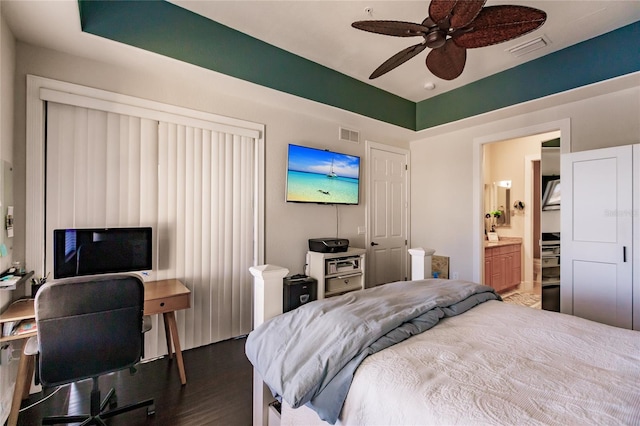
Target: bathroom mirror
502	202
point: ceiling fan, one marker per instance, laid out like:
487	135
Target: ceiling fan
452	27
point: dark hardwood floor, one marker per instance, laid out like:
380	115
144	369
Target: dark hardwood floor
218	391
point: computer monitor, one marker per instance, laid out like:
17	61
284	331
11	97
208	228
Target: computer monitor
82	251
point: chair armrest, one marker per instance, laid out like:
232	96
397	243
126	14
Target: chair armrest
31	347
146	323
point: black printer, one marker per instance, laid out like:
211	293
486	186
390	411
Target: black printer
329	245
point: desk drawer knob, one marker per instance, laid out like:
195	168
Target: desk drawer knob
161	304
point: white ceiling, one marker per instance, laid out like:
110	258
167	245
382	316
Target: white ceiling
321	31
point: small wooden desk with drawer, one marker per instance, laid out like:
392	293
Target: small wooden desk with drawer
160	297
166	297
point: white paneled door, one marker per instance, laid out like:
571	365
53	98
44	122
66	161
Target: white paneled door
597	210
388	209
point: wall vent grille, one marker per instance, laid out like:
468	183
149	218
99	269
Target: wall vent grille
349	135
528	46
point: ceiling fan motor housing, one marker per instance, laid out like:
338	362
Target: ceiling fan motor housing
435	39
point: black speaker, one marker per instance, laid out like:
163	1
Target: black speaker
298	290
551	297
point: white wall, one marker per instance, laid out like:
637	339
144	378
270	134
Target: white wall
7	63
442	207
288	120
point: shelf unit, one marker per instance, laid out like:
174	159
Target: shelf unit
337	273
550	263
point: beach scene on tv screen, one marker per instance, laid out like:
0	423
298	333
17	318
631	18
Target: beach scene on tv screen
318	176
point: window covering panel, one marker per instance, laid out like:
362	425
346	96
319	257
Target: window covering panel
205	198
134	107
196	187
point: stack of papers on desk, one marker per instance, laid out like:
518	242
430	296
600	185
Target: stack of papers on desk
16	328
24	326
7	328
9	282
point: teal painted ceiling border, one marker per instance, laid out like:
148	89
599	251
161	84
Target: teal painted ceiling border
169	30
610	55
172	31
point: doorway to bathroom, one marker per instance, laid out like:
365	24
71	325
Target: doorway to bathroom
515	172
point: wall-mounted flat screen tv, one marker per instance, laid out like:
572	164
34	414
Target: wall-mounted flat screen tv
79	252
322	177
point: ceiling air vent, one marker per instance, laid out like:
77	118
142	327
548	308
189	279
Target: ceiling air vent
528	46
349	135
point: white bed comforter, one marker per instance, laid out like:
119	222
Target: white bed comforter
498	364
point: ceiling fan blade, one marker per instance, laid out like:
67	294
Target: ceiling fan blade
397	60
447	62
392	28
496	24
454	13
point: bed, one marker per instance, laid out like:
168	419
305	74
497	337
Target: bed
482	361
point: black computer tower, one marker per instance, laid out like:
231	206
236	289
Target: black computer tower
298	290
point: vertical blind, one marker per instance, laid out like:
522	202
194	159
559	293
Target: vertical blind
194	186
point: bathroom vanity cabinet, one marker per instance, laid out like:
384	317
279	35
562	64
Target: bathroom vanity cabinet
503	264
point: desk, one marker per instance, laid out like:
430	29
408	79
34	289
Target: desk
166	297
19	310
160	297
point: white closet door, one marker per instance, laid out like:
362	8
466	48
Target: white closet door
101	171
196	187
596	271
206	227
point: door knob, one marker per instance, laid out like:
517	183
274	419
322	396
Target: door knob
373	244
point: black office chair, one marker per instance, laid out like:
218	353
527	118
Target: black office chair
88	327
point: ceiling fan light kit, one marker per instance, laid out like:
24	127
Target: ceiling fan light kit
452	27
